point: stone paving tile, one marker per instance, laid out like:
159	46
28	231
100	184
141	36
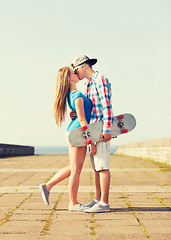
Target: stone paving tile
8	202
134	215
66	236
19	236
144	179
161	236
36	179
4	176
122	236
162	176
165	197
118	179
63	225
119	227
158	226
22	227
17	179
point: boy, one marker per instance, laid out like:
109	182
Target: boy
98	89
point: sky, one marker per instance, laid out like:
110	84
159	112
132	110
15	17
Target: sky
131	40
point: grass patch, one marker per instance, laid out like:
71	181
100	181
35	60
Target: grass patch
48	221
9	214
92	220
163	165
160	200
135	215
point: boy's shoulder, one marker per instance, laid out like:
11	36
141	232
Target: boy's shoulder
100	78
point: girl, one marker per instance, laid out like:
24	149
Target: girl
66	91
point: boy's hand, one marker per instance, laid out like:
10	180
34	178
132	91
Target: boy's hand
92	149
105	137
73	115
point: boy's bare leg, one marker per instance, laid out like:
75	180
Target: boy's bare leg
97	184
105	184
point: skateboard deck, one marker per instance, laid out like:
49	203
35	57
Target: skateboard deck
91	133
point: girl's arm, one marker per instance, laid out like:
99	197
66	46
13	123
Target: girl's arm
79	105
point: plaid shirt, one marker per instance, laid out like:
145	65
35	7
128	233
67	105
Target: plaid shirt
98	89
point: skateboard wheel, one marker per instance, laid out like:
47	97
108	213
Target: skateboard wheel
84	127
121	116
89	142
125	130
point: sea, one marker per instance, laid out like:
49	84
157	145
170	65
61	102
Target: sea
43	150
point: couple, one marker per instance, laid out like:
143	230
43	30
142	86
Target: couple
94	106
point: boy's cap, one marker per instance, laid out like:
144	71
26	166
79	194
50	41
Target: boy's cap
83	59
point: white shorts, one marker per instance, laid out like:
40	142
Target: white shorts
101	160
66	136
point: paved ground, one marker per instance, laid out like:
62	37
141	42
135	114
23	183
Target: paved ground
140	197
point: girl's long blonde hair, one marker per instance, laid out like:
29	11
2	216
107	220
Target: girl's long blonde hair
62	91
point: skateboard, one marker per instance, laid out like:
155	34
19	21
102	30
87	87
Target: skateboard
91	133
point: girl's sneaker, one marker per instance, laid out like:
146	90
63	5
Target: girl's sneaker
45	193
78	207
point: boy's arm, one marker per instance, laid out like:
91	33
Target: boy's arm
72	114
104	89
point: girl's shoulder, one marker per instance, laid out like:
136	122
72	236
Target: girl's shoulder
75	94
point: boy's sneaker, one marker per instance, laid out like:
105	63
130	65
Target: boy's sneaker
45	193
92	203
98	208
78	207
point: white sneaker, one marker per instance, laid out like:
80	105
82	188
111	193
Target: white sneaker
92	203
98	208
78	207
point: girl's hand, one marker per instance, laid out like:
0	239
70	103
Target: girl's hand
92	149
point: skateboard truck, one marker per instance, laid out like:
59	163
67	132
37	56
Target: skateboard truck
121	124
86	134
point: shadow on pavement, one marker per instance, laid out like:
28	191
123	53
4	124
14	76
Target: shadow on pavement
141	209
136	209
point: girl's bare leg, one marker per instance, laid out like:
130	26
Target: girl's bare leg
58	177
77	157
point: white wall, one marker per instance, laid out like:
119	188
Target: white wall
159	150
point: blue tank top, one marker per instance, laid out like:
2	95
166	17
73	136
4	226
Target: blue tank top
87	108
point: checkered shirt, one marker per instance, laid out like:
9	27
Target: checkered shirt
98	89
